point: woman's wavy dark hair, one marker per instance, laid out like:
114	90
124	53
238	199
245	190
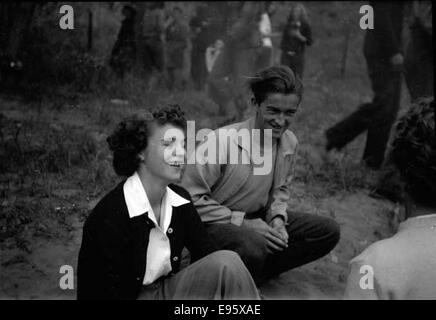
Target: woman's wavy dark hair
130	137
414	151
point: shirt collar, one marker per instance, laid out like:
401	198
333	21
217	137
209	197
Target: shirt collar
174	199
428	220
137	201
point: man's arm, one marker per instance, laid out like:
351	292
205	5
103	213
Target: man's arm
383	25
281	194
199	179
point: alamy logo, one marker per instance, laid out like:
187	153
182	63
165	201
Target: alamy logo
67	280
367	280
367	20
223	146
67	20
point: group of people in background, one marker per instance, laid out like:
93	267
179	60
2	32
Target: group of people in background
216	50
238	226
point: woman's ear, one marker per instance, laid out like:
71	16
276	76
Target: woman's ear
141	157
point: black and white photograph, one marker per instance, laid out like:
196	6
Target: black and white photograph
242	151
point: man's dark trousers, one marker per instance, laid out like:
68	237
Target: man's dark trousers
310	238
376	117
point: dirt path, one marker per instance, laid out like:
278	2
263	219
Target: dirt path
363	220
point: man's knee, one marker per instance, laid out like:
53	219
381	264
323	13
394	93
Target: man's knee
225	257
331	233
251	247
224	260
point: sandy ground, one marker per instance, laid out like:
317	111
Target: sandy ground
363	220
32	269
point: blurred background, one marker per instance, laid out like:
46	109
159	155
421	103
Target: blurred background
63	91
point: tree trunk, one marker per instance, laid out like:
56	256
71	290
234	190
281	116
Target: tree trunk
139	63
15	23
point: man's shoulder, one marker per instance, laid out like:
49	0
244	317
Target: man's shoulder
381	255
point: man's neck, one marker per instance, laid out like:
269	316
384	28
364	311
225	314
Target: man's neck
257	125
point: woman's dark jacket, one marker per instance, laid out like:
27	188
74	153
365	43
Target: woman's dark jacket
112	258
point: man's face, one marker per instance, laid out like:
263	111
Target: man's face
276	112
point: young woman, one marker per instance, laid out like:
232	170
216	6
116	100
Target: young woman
133	239
296	36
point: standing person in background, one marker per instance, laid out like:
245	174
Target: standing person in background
237	61
152	31
296	36
418	60
418	67
176	35
204	33
212	53
265	57
124	51
383	54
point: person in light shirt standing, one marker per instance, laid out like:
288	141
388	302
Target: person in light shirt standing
133	239
265	56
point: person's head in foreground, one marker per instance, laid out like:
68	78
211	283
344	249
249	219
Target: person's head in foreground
154	145
277	93
404	265
414	154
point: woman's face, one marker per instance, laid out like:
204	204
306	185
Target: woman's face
164	156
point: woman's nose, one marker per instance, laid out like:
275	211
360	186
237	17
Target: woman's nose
180	151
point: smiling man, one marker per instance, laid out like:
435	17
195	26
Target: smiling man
248	212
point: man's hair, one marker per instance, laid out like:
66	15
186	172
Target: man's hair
414	151
276	79
131	136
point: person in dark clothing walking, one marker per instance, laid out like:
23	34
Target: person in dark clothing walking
296	36
383	54
124	51
418	72
418	60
